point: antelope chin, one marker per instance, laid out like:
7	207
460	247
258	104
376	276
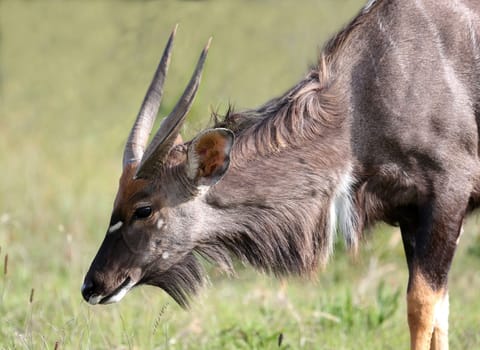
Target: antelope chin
115	296
95	299
120	292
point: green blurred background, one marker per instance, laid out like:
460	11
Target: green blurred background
72	77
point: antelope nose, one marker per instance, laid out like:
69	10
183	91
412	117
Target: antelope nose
88	290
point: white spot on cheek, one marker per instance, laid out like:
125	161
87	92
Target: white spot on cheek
115	227
165	255
160	223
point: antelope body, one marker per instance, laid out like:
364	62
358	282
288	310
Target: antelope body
384	128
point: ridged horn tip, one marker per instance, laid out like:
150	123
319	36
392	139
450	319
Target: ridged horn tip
137	140
209	42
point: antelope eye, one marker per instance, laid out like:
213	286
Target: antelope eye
142	212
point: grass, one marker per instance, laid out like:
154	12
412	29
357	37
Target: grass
72	76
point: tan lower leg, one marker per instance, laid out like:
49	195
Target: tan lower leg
440	330
422	301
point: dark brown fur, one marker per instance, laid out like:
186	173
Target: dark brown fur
384	128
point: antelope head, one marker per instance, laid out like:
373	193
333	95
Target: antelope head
156	214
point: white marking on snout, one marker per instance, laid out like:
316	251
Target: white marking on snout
165	255
115	298
95	299
115	227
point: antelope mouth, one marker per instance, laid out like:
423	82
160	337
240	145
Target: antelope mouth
119	292
116	295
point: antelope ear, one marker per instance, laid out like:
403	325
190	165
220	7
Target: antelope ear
208	156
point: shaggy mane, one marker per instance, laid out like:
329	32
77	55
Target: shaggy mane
298	242
304	111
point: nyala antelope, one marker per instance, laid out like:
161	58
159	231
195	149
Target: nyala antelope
383	128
